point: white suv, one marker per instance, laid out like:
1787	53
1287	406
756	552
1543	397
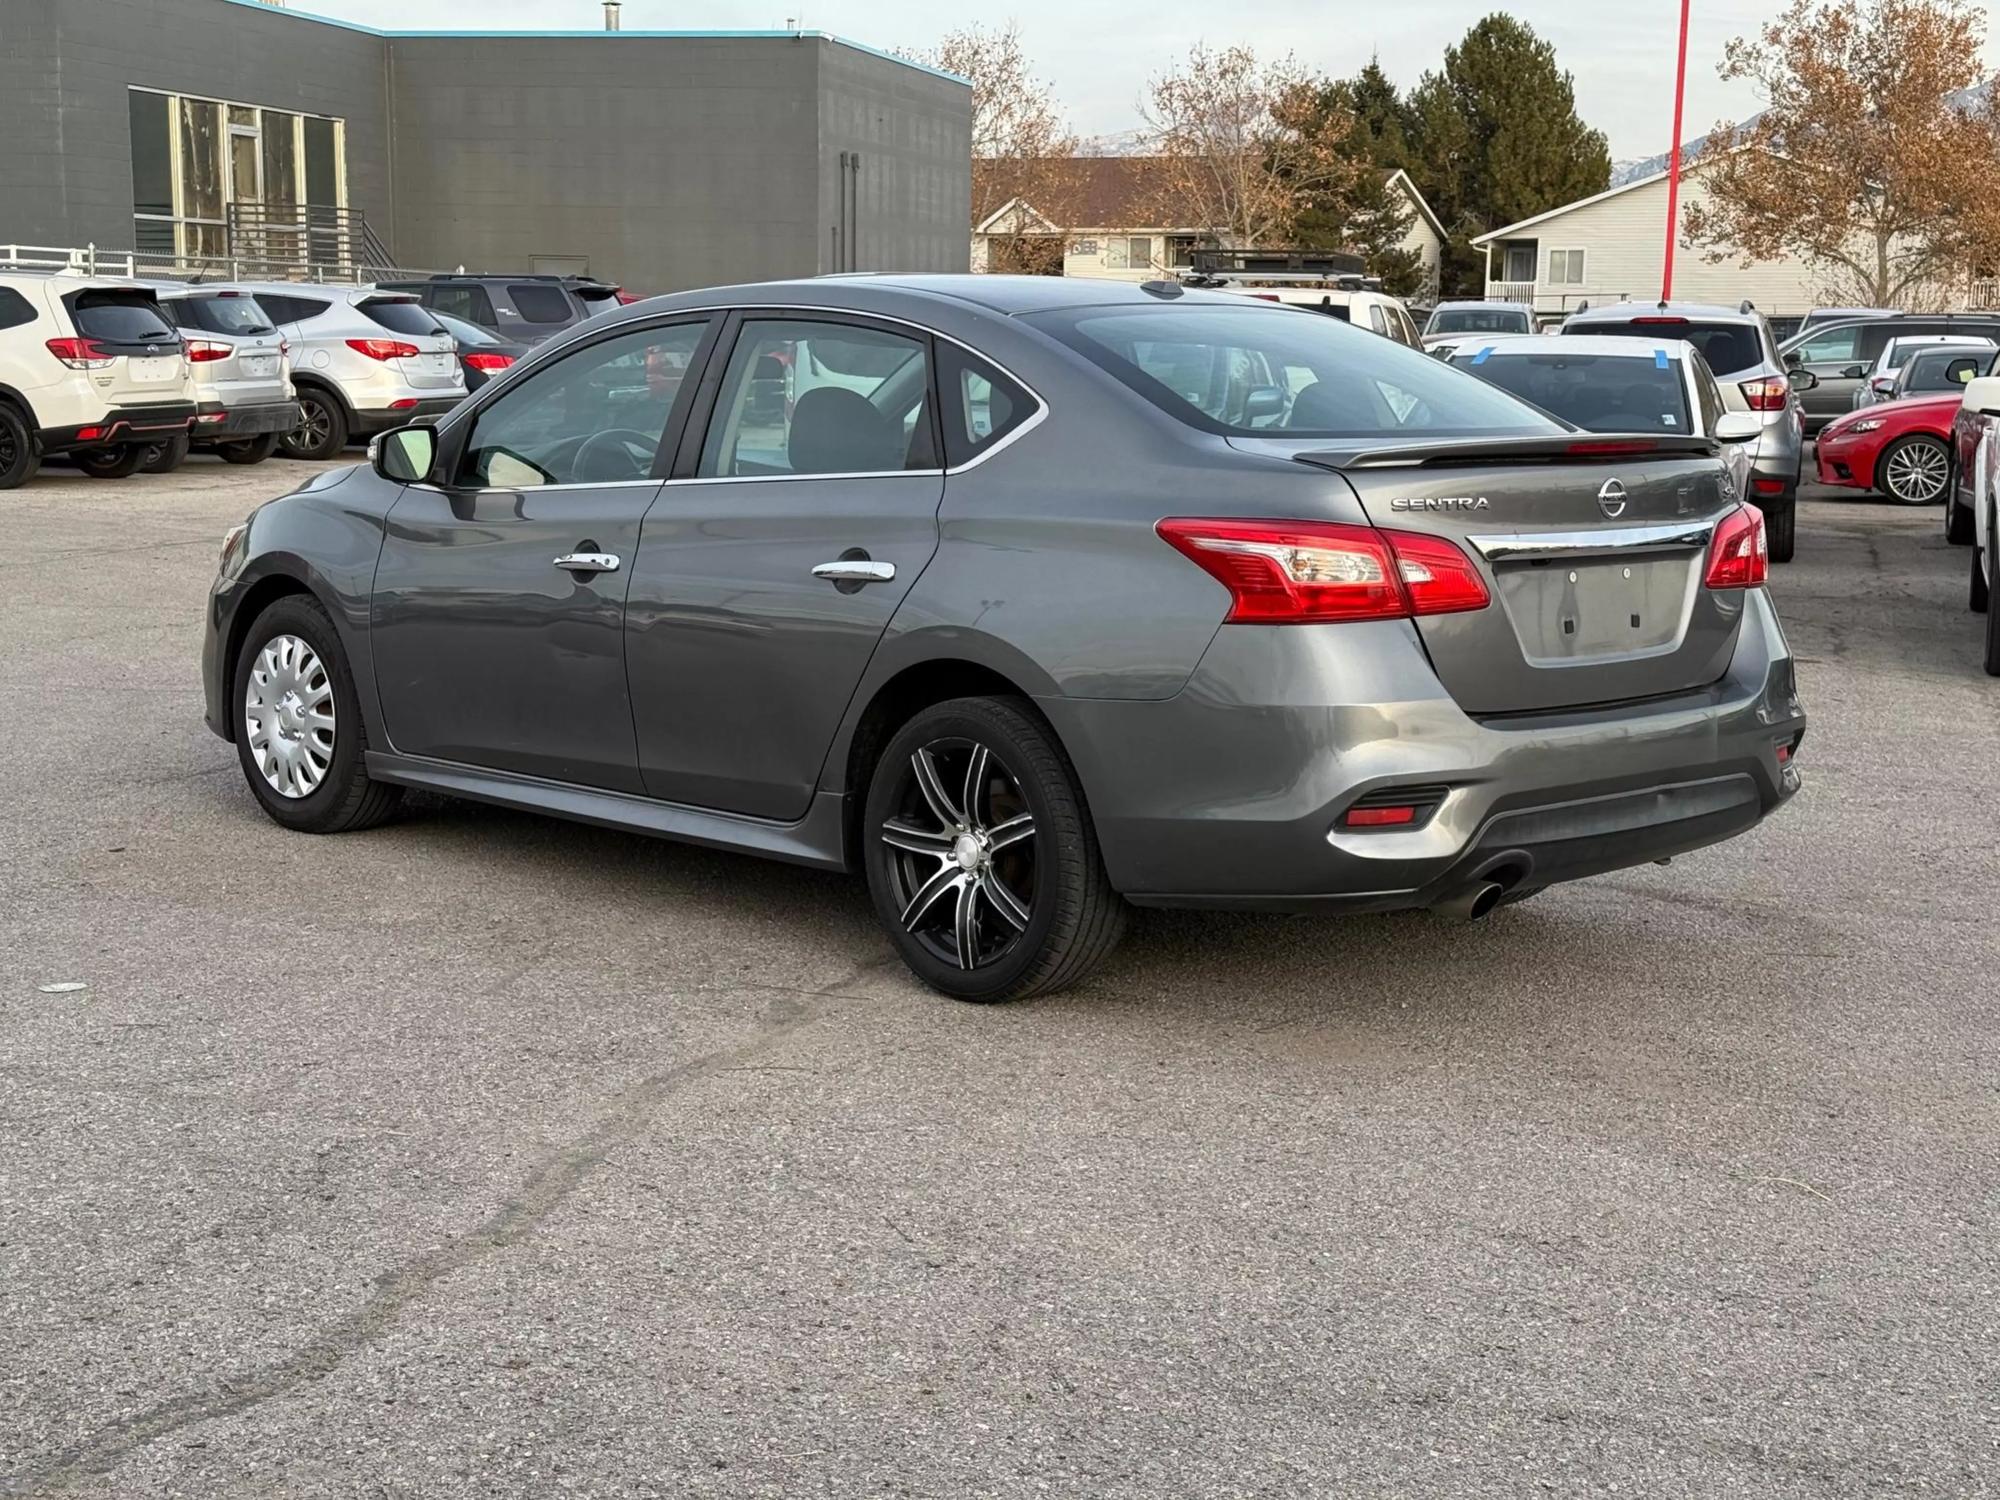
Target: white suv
362	361
88	367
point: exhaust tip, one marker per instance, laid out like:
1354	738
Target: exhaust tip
1471	902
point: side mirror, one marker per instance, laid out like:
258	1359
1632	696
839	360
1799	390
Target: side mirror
1803	380
404	454
1854	372
1738	427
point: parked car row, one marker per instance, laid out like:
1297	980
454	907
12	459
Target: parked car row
121	376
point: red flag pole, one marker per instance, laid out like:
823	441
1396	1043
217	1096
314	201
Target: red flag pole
1674	161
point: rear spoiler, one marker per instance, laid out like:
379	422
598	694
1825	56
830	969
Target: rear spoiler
1566	448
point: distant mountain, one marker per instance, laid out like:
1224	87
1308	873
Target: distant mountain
1137	141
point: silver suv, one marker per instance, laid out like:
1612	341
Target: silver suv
1739	348
363	361
236	361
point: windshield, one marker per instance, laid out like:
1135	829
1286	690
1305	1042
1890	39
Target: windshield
1275	372
1601	392
1728	347
225	312
1478	320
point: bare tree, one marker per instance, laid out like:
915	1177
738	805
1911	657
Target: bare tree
1860	165
1244	144
1021	146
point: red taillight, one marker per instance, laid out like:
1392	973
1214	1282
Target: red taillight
1265	296
625	298
1737	558
408	403
85	434
1379	817
1767	394
201	351
383	348
489	361
1296	572
1768	486
81	354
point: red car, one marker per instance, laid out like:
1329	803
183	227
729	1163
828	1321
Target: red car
1902	448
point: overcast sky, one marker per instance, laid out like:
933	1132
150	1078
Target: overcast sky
1099	56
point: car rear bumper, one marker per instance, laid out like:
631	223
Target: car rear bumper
1228	795
216	422
121	425
370	420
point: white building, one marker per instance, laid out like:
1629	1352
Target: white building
1612	247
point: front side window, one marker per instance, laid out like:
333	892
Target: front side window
593	417
1598	392
807	397
538	302
1268	371
1836	346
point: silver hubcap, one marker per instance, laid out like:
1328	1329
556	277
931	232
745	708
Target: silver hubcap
288	716
1916	473
963	845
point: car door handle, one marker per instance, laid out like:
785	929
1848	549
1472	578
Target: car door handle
855	570
589	562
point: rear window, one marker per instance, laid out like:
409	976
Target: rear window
120	318
1728	347
1600	392
401	317
222	313
1478	320
1270	372
538	303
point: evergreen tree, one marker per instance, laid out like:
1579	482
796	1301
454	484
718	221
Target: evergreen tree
1495	138
1364	213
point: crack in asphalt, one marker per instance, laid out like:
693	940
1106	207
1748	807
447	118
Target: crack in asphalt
551	1182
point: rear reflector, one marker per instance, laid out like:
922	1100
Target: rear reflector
85	434
404	405
1379	817
1302	572
214	416
1737	558
1768	486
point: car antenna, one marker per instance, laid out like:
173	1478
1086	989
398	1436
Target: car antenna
1161	288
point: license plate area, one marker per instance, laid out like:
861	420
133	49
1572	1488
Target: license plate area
152	371
1597	608
260	364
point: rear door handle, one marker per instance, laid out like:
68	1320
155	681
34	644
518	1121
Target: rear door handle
855	570
589	562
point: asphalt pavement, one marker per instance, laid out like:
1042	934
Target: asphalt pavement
481	1155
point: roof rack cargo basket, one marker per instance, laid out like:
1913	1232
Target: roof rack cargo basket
1264	262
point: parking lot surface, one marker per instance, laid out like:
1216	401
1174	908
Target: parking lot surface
481	1155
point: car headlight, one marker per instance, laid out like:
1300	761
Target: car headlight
1868	424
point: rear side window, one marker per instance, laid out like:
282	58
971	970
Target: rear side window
285	309
981	405
1598	392
1267	372
14	308
401	317
120	318
232	313
468	302
1728	347
538	302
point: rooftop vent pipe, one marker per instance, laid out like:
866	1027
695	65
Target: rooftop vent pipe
611	15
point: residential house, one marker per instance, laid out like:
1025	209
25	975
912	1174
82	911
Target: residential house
1611	247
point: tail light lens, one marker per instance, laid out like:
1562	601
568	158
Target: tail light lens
1737	557
81	354
489	361
1299	572
1767	394
383	348
202	351
625	298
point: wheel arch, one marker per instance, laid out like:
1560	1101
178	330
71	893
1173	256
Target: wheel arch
281	577
314	381
26	407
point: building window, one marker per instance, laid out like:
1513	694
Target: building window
1518	264
1565	268
1129	252
214	180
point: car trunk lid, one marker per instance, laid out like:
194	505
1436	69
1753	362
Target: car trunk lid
435	364
1593	551
126	325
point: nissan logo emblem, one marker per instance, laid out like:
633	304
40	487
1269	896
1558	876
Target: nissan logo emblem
1611	498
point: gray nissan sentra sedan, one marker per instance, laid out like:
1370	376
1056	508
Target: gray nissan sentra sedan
1028	598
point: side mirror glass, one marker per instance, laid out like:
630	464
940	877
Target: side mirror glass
1738	427
404	454
1803	380
1854	372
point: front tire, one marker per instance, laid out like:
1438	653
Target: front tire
322	430
164	457
981	857
250	451
1914	470
18	458
299	733
110	463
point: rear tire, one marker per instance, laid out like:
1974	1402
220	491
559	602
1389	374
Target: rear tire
322	430
164	457
110	463
1914	470
250	451
18	458
1779	525
1958	527
1978	596
993	887
340	797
